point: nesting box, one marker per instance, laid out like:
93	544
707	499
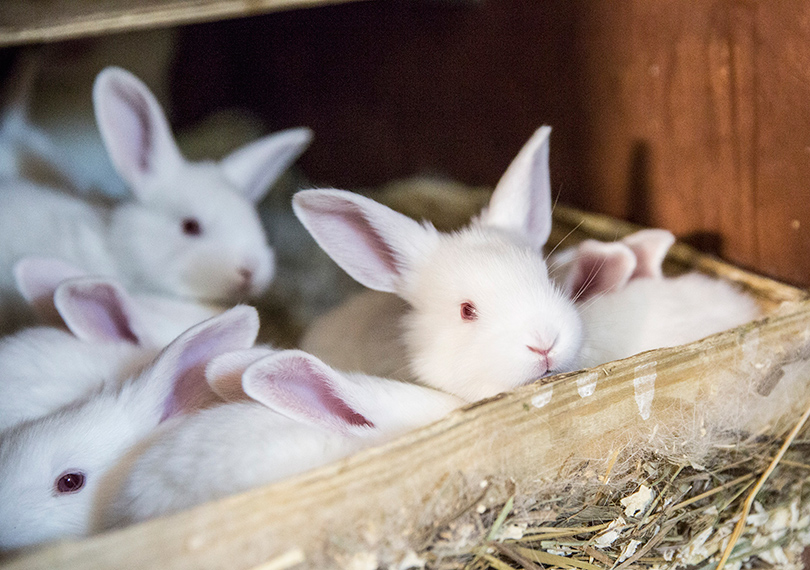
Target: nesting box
550	473
550	437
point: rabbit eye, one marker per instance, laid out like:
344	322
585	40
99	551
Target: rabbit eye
70	482
191	227
468	311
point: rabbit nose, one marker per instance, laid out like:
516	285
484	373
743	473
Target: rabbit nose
246	275
543	353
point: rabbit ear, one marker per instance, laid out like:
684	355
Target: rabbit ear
37	279
650	248
98	309
224	373
374	244
256	166
178	373
134	130
521	202
300	386
599	267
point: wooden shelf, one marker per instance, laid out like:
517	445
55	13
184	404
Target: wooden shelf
24	22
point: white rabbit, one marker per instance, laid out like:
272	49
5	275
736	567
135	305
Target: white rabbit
628	306
157	318
55	470
595	267
192	230
45	368
111	335
484	316
301	414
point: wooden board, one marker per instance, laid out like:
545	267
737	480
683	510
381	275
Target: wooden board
525	435
23	21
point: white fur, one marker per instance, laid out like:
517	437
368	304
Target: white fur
156	319
650	313
142	241
495	263
112	336
93	434
45	368
234	447
517	307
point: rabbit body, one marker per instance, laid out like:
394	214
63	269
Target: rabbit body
628	306
649	313
303	415
57	471
46	368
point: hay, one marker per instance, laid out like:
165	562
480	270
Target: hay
687	523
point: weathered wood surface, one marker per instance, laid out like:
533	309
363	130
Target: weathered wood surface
686	115
527	435
24	21
697	118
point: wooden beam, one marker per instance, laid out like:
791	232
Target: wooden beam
25	22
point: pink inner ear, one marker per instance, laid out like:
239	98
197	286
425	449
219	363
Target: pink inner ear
295	384
94	311
650	248
599	268
191	390
348	234
132	121
180	372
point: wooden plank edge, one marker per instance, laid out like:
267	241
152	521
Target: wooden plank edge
132	18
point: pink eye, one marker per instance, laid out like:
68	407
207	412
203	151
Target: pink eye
191	227
70	482
468	311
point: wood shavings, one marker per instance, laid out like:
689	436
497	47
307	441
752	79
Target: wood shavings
638	502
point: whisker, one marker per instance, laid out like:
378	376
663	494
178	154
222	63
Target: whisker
590	279
559	243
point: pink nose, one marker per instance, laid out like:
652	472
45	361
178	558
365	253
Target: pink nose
247	277
543	353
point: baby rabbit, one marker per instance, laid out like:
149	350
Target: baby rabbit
111	335
54	470
192	230
628	306
483	314
289	413
596	267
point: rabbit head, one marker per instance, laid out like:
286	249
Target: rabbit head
485	317
193	229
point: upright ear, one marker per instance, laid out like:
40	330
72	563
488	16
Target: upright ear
300	386
37	279
599	267
99	310
254	167
178	373
521	202
134	130
224	373
374	244
650	248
